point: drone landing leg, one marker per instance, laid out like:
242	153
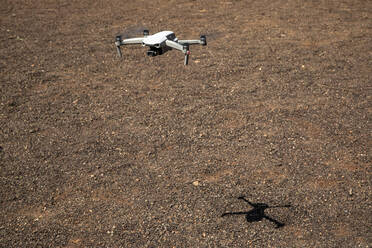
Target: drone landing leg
187	53
118	43
119	51
187	58
277	223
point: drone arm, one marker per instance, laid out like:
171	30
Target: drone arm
202	41
277	223
119	42
233	213
190	42
181	47
281	206
131	41
250	203
176	45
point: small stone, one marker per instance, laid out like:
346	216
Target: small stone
196	183
35	130
351	192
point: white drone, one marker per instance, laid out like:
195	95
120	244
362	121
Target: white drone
160	43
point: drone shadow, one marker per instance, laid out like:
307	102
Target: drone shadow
258	212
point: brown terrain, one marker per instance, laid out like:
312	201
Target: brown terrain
98	151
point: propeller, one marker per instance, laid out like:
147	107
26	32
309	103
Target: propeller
214	34
133	31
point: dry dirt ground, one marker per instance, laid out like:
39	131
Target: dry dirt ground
98	151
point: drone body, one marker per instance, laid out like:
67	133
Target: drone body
160	43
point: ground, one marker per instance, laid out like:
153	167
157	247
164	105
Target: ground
98	151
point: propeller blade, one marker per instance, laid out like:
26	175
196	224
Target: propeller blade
133	31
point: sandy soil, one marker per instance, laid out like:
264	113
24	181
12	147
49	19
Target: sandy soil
97	151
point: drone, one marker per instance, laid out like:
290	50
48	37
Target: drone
160	43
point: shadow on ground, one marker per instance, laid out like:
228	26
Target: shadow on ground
258	212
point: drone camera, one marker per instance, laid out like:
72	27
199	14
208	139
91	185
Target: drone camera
151	53
154	51
145	32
